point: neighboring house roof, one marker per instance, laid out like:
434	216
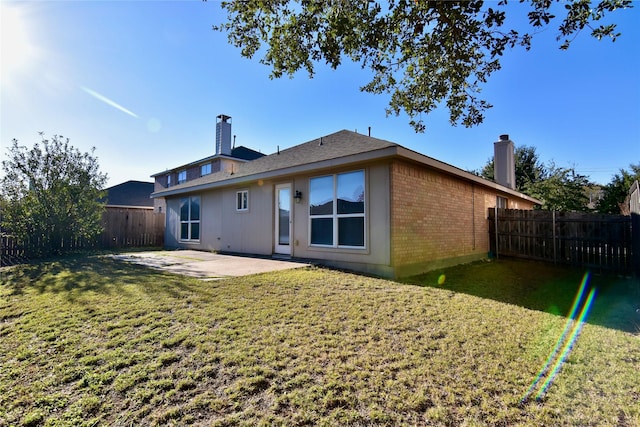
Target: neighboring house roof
238	153
245	153
337	149
130	193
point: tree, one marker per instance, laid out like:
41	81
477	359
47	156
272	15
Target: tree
528	167
562	189
422	53
615	195
51	194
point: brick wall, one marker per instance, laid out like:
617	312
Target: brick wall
435	216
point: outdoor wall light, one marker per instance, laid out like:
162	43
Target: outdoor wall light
298	196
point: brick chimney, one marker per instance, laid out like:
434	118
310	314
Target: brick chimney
504	165
223	135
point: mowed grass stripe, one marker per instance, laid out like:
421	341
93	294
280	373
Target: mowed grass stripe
93	341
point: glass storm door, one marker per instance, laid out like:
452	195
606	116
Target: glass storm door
283	219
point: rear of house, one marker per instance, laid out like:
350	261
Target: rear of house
345	200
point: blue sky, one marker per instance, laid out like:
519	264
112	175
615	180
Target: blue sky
143	82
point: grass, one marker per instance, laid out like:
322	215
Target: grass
93	341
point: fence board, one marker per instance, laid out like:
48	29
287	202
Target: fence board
122	228
132	227
597	241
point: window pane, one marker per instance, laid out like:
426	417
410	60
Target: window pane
242	198
321	195
184	231
283	227
184	209
195	208
322	231
351	231
205	169
195	230
351	192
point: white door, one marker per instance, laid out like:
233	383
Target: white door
283	219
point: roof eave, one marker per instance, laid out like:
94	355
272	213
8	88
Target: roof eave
452	170
197	162
392	151
305	168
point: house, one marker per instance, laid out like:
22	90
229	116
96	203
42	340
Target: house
634	198
345	200
226	159
130	194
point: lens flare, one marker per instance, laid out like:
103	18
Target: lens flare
568	346
108	101
569	325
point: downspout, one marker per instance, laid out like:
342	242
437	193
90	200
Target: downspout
473	214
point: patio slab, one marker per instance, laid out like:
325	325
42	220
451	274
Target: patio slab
207	265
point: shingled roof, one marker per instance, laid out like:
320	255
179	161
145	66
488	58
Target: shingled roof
335	146
130	193
338	149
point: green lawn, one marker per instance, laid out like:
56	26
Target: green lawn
93	341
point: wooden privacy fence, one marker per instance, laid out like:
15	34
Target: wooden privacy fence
131	227
596	241
122	228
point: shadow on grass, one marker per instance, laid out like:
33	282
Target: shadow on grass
543	287
76	274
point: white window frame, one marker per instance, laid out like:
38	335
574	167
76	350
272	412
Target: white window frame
242	201
169	181
502	201
182	176
335	216
189	221
203	166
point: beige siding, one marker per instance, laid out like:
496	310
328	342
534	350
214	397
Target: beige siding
222	228
374	258
246	231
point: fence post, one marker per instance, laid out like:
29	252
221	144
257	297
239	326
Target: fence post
553	220
635	243
496	226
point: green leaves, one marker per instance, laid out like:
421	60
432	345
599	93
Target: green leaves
51	194
562	189
423	54
615	195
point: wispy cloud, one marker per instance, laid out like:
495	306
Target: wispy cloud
108	101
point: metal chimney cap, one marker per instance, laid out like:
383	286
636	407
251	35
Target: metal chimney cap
504	137
223	117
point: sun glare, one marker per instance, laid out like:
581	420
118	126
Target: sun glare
17	51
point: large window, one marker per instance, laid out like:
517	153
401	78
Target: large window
182	177
337	211
190	218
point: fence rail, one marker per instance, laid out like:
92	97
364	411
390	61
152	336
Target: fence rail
596	241
122	228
